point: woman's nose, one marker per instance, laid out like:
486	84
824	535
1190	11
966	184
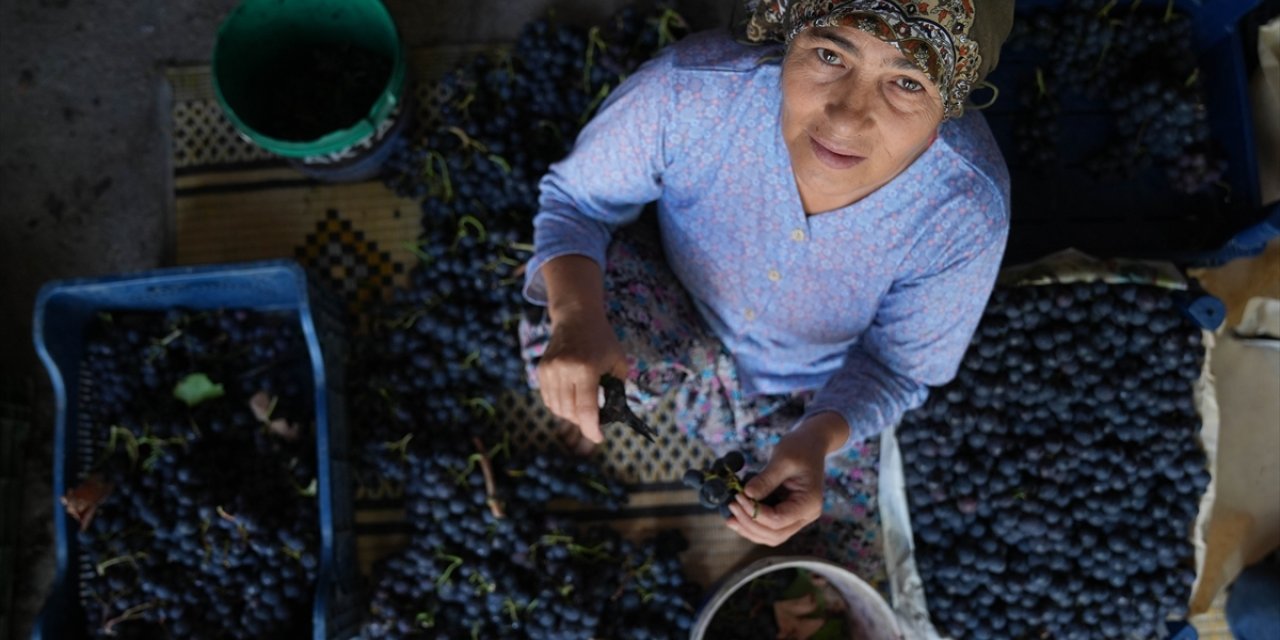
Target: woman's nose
850	104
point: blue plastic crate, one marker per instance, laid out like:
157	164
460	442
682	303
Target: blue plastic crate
63	311
1142	217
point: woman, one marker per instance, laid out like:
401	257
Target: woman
836	218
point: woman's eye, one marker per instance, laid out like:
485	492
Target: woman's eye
827	56
909	85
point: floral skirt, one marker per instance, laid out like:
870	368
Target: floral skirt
670	350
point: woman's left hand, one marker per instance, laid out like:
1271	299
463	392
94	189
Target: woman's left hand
798	466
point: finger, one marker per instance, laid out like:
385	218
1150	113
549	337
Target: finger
586	410
621	369
564	399
756	531
766	481
798	507
546	389
571	436
551	398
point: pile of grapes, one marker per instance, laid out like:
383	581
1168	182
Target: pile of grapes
445	348
487	557
488	560
1053	485
198	516
1132	60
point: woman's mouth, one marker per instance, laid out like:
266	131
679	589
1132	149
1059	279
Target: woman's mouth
833	159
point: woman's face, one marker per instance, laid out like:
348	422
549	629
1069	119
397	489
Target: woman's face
855	114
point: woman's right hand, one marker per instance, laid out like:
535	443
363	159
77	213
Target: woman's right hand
583	347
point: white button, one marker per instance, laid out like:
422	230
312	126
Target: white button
797	235
774	275
750	314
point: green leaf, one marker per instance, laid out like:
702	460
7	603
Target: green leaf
801	586
832	630
197	388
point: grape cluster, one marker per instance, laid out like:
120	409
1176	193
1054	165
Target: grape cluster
718	484
487	558
1054	483
445	348
201	520
1136	65
442	351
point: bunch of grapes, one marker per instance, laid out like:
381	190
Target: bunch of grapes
1053	485
198	516
487	558
1136	64
441	353
718	484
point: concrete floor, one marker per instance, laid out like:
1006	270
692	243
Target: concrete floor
84	163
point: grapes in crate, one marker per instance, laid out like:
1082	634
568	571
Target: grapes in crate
1132	63
197	504
1054	484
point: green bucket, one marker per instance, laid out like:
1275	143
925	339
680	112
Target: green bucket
310	79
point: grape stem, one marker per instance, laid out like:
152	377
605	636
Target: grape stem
454	563
669	18
131	558
416	250
446	185
127	615
400	446
490	492
467	141
594	42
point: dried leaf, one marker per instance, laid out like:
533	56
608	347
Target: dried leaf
262	404
795	618
82	502
197	388
285	429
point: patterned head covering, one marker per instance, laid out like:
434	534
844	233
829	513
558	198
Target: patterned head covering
954	45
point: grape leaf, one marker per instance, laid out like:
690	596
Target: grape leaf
197	388
284	429
801	585
262	404
82	501
798	618
832	630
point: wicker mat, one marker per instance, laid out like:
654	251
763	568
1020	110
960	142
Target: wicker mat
234	202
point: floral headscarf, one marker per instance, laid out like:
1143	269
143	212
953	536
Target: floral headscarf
954	45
